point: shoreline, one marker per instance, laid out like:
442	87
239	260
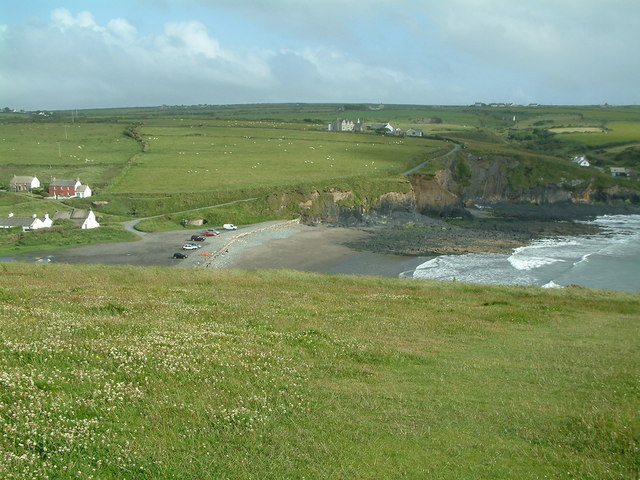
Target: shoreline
391	250
319	248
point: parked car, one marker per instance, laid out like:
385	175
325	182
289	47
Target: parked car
197	238
180	255
210	233
190	246
229	226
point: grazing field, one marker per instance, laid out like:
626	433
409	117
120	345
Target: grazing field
577	130
616	132
196	158
141	373
95	152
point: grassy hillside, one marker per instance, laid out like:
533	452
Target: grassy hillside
170	160
205	158
146	373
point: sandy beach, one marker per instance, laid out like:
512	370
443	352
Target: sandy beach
268	245
311	248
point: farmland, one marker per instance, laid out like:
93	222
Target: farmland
163	160
213	158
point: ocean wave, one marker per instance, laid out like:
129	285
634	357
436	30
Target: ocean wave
606	260
524	262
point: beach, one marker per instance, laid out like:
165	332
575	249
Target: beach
601	253
318	248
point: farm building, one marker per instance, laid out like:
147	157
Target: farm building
59	188
620	172
342	125
26	223
85	219
20	183
414	132
387	127
581	160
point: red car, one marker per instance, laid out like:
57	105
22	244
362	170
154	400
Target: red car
210	233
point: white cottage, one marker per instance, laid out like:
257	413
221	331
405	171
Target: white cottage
26	223
85	219
581	160
23	183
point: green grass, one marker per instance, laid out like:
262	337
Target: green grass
198	157
140	373
14	241
95	152
618	132
229	158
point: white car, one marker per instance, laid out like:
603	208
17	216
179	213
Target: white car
190	246
229	226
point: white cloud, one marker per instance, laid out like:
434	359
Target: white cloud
412	51
190	38
63	19
122	29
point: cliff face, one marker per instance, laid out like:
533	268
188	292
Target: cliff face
447	193
486	182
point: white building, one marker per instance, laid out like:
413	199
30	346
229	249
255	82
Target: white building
581	160
26	223
85	219
22	183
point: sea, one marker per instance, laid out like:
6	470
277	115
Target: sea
607	260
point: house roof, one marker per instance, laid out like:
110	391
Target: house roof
75	214
14	221
82	188
63	183
22	179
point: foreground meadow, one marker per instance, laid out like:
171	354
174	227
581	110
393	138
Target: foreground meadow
148	373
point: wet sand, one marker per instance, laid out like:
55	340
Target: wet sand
319	249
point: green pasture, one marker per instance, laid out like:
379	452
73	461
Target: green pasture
227	158
554	120
617	132
175	373
26	204
95	152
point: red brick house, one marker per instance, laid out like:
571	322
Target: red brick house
59	188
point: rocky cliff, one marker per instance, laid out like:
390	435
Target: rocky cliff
468	180
464	182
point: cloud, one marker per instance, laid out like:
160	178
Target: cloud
63	19
410	51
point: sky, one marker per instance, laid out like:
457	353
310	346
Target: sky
75	54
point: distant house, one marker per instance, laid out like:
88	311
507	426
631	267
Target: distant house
581	160
59	188
341	125
387	127
26	223
23	183
413	132
620	172
85	219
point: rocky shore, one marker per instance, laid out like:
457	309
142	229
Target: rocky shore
498	230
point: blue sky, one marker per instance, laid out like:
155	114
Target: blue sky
63	54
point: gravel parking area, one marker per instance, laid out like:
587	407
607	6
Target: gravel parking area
158	248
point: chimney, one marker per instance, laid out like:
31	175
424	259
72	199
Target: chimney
34	216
